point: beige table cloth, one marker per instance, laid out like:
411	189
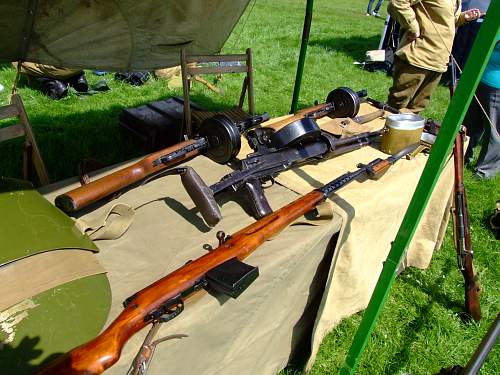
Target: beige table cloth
308	279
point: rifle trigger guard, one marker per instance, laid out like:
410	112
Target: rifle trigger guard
166	312
172	312
271	180
167	172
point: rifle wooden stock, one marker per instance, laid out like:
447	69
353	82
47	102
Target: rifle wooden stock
102	352
462	238
85	195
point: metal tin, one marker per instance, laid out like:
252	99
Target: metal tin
401	130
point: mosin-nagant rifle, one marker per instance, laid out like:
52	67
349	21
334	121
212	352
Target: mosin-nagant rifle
461	233
164	299
460	213
461	223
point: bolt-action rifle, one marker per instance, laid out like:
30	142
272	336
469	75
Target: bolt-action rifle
164	299
461	224
461	234
460	212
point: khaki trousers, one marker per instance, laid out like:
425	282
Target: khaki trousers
412	86
47	71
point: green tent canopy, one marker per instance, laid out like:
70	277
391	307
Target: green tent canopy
121	35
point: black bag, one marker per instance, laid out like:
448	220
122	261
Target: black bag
133	78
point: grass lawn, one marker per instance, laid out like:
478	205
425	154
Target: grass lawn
420	330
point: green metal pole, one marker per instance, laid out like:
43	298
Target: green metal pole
302	56
473	71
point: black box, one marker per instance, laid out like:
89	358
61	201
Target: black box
155	125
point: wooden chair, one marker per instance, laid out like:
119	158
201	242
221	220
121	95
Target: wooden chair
32	158
190	67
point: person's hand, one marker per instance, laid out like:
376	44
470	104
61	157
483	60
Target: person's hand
410	37
472	14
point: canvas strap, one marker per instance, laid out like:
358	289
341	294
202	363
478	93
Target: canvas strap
110	226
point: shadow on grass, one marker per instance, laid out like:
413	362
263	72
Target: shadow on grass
65	138
353	46
412	329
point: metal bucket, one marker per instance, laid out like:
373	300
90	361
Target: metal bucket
401	130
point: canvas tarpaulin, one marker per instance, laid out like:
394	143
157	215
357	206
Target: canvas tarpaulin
121	35
305	286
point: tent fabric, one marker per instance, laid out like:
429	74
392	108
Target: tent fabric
121	35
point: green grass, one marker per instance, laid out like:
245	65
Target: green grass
420	329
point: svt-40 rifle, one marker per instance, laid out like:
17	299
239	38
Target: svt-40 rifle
164	299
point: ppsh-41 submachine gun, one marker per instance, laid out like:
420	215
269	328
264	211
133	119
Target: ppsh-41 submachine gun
219	139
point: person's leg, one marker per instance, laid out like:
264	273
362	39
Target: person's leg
473	121
378	6
423	93
488	163
369	8
79	82
53	88
406	81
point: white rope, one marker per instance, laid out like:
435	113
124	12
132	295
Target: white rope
243	26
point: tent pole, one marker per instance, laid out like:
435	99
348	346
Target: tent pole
478	58
302	56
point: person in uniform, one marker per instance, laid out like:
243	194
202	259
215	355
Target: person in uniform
54	81
424	49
